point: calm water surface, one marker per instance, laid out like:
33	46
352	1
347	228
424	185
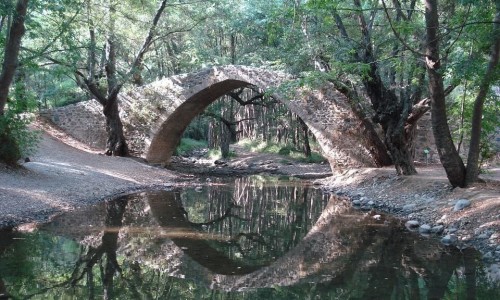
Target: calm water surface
245	238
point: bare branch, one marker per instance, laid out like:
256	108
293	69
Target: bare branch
148	40
447	52
397	35
423	106
180	30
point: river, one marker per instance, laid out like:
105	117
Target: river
241	238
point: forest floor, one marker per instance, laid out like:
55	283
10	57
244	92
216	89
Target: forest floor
65	175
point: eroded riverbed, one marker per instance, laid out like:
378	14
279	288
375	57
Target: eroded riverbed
245	238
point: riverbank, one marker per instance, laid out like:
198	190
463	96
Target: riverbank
65	175
428	204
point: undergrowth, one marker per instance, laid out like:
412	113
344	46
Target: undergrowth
188	145
285	150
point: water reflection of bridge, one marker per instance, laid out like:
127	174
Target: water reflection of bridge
344	252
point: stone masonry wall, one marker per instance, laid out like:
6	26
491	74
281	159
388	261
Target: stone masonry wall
84	121
425	140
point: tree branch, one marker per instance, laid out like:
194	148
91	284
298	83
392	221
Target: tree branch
423	106
224	120
397	35
148	40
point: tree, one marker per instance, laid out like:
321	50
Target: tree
455	169
9	149
365	55
472	170
108	97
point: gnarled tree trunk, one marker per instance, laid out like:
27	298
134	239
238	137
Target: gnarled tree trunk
116	144
390	112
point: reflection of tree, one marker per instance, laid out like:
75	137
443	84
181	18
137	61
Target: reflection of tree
398	265
272	216
6	239
104	255
167	210
228	213
346	255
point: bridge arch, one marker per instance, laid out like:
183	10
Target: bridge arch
157	114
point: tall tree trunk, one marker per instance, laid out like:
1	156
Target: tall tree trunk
224	140
305	131
473	157
116	144
452	163
9	147
462	117
11	51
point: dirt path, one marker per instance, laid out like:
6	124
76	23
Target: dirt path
60	177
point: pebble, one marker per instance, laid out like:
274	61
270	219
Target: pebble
441	220
425	229
437	229
452	230
371	203
483	236
449	239
461	204
356	202
409	207
412	225
488	256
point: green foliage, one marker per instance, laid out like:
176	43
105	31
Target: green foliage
285	150
187	145
490	120
315	158
17	139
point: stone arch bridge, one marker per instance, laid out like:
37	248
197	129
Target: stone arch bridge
156	114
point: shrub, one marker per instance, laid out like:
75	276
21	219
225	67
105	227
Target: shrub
16	139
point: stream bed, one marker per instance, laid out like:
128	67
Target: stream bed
241	238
